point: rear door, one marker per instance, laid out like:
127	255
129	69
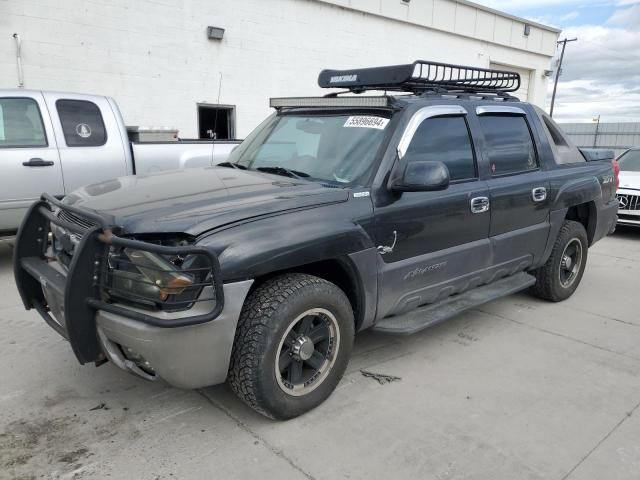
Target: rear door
29	162
434	244
518	188
89	139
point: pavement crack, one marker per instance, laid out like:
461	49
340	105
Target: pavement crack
626	322
602	440
561	335
615	256
246	428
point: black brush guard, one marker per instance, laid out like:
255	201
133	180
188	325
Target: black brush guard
82	289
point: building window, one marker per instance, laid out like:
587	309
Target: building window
21	123
217	122
509	144
447	140
82	123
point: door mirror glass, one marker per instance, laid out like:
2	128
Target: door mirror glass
422	176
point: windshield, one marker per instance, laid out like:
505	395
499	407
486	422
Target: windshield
338	149
630	161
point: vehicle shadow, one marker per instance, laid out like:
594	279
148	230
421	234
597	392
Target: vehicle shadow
626	232
6	254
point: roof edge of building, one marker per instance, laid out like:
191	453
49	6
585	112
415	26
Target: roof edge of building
542	50
508	15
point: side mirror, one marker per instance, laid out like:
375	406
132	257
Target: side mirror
421	177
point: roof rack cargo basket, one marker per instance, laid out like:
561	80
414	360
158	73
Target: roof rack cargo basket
422	75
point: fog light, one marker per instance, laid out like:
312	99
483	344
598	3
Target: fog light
141	362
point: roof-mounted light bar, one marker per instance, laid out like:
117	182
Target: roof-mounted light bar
329	102
420	76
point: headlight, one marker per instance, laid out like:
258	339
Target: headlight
154	280
162	274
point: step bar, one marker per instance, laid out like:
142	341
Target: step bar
432	314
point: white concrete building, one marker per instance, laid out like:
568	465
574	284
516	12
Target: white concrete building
156	60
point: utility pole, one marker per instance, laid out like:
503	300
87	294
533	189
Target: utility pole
555	85
595	137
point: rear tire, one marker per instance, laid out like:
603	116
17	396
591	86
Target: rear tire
292	345
557	279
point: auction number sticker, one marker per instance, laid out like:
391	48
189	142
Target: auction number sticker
362	121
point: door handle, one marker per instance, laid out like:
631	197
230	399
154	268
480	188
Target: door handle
37	162
479	204
539	194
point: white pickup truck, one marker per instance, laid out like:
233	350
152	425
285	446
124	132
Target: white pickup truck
56	142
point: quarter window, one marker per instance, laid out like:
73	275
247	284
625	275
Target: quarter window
447	140
82	123
21	123
509	144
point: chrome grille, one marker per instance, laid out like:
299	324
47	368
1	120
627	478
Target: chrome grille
628	202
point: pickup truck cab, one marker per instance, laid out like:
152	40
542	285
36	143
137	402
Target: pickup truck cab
57	142
337	214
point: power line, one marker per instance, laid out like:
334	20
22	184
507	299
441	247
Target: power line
555	84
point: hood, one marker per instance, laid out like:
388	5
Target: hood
629	179
196	200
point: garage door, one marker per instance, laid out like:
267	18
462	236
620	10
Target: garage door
525	75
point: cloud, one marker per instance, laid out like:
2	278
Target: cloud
603	55
601	71
600	74
581	100
553	21
628	17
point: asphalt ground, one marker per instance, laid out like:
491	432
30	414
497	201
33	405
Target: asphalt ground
517	389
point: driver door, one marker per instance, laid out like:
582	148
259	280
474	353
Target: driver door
434	244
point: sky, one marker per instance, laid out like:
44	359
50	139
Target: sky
601	71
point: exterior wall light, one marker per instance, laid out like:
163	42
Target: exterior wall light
215	33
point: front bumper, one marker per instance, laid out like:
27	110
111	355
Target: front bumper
188	349
629	220
185	357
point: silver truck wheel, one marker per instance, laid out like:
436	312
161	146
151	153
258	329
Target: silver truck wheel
560	276
307	351
292	345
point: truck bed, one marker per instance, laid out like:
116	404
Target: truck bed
150	157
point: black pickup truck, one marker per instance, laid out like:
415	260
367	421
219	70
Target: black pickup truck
337	214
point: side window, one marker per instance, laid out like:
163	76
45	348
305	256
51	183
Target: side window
21	123
82	123
444	139
509	144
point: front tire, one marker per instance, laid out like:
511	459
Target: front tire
560	276
292	345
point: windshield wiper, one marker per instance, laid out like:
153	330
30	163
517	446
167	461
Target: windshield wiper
231	165
284	172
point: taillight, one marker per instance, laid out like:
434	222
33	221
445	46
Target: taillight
616	174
